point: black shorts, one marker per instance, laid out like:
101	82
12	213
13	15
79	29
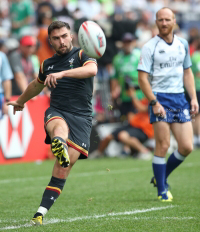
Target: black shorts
126	107
79	129
132	131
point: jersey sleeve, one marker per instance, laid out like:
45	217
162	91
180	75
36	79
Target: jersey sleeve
146	61
6	72
85	59
187	61
41	77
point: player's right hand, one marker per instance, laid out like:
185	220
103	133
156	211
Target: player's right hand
159	110
16	106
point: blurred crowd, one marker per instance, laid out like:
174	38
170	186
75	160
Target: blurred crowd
127	25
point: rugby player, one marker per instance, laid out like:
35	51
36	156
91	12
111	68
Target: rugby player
68	120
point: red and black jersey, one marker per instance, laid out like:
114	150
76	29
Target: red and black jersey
71	95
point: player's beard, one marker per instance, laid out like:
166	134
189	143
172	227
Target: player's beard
166	32
64	51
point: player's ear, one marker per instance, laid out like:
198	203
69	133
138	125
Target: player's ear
174	17
72	36
49	40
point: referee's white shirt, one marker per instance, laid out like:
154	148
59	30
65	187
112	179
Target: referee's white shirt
165	63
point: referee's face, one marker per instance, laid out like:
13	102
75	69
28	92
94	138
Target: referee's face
165	21
61	40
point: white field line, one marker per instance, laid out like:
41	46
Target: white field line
85	174
151	218
53	220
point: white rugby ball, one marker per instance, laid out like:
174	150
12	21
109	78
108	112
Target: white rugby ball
91	39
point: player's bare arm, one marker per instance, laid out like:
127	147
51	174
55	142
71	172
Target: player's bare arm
190	87
33	89
86	71
146	89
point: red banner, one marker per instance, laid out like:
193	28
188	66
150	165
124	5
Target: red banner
22	135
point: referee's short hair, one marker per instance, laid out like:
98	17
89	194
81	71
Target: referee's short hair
57	25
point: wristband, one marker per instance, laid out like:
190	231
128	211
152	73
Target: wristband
153	102
6	100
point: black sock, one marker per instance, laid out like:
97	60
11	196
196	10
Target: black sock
51	193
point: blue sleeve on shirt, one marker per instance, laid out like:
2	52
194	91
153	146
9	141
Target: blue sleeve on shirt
145	63
6	72
187	61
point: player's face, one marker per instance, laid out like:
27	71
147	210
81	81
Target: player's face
165	22
61	40
128	46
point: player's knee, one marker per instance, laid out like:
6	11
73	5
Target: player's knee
59	131
122	135
186	149
109	137
164	146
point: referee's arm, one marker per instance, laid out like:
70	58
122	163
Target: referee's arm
189	83
145	86
190	87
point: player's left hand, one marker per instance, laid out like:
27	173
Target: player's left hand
194	106
51	79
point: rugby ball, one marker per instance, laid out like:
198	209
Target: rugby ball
91	39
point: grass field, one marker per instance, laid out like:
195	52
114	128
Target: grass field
109	194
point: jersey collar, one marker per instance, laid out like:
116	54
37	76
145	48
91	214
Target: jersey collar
166	42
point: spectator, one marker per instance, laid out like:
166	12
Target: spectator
125	72
21	12
22	65
63	14
90	9
134	134
5	83
45	50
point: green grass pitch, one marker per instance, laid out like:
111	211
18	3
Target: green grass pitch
108	194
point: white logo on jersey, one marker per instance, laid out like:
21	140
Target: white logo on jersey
49	116
71	63
83	145
50	67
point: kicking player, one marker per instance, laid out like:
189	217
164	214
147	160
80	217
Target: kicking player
165	59
68	120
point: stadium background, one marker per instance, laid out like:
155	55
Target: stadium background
19	133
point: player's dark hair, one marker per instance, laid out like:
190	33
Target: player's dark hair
57	25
